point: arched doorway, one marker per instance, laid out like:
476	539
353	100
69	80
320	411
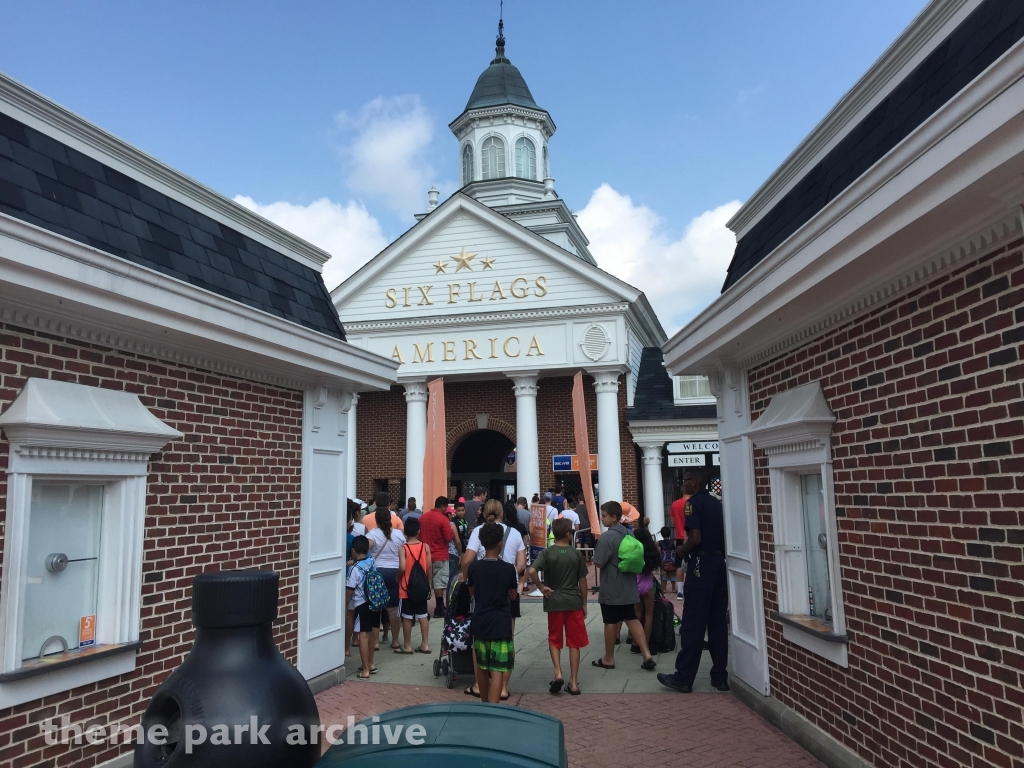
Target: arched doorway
481	459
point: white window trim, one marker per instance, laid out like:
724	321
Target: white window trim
795	433
69	432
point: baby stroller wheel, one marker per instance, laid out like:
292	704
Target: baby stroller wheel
449	677
437	667
445	666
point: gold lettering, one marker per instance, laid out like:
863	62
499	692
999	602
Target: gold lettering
423	356
473	296
542	287
497	290
471	350
534	344
505	346
449	351
390	299
494	348
424	292
397	355
514	292
453	292
407	304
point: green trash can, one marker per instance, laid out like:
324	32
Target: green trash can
453	736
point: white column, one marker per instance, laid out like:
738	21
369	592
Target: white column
415	437
654	495
609	458
351	468
527	443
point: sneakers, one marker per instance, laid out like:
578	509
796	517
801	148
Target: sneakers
670	681
679	595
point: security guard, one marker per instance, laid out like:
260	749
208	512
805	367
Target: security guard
704	589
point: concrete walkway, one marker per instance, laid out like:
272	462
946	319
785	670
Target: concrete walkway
533	669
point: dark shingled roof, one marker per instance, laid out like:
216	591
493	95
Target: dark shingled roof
501	83
654	399
988	32
53	186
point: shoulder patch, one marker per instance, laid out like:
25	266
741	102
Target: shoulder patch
688	508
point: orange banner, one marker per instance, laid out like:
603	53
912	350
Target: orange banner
435	463
579	419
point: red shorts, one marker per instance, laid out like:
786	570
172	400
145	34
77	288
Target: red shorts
572	623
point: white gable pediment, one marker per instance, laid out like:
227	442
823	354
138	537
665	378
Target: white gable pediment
467	259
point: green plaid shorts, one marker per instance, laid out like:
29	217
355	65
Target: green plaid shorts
495	655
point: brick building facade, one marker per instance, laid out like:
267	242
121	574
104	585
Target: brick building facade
174	399
929	488
225	496
865	354
382	429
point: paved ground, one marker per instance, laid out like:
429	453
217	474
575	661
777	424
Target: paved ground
703	730
622	710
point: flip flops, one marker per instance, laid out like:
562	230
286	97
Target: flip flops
372	671
470	692
601	664
555	686
402	652
420	650
649	665
571	692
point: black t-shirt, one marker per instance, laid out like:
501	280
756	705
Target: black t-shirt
704	512
491	581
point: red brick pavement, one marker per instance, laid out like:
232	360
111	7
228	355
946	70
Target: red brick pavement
709	730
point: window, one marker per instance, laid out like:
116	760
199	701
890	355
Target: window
692	389
63	567
492	158
76	501
795	433
467	164
526	159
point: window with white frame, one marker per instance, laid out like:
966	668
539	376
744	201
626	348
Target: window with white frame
492	158
526	159
692	389
795	433
467	164
76	495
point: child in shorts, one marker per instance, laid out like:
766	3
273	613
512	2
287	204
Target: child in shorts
413	551
494	584
367	622
667	545
564	587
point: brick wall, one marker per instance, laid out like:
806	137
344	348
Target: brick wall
380	426
928	452
224	496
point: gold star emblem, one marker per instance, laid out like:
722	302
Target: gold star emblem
488	262
463	260
440	267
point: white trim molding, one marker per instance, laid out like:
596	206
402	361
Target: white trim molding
70	433
795	433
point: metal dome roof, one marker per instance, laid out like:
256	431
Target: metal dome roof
501	83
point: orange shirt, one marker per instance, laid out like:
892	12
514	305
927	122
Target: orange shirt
413	553
370	521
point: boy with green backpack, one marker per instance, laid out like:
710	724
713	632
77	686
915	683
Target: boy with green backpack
616	553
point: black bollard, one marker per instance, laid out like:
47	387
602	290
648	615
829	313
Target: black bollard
234	701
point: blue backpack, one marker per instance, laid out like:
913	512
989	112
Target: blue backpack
377	595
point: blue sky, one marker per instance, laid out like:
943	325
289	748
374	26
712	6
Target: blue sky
668	113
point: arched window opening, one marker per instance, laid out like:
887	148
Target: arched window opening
467	164
492	158
526	159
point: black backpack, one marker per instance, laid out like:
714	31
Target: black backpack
418	585
663	630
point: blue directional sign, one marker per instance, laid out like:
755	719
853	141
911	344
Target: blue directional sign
561	463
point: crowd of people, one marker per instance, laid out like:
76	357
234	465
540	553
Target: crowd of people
401	558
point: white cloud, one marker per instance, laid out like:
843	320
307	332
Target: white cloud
348	232
681	276
387	154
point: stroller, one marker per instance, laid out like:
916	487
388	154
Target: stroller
456	656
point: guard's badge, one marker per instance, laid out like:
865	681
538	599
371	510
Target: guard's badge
688	508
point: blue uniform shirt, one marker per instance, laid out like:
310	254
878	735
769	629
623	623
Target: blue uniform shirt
703	512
